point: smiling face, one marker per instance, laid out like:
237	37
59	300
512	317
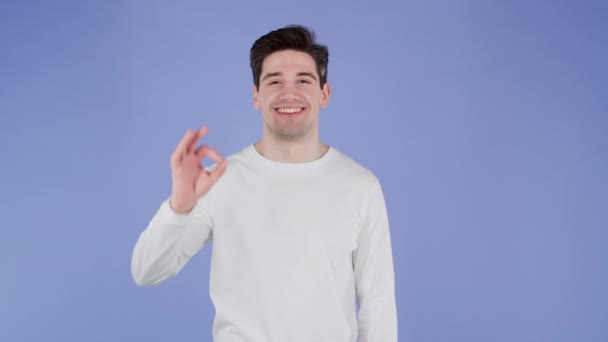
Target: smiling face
290	95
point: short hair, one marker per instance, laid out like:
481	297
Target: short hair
292	37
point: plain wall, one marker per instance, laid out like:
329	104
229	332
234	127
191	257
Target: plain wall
484	120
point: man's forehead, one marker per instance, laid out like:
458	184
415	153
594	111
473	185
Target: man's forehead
288	61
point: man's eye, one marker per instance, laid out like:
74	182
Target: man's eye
273	82
305	81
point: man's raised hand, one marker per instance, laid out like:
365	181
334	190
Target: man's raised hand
190	180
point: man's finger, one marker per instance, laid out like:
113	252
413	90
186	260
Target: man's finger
198	134
187	143
218	171
207	151
181	146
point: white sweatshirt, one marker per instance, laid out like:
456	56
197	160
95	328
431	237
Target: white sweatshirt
295	246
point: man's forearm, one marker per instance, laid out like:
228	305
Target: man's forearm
158	253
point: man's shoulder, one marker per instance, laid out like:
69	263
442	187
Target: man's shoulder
241	154
350	168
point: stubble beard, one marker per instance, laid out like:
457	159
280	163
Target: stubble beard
290	133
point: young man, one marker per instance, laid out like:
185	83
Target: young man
300	230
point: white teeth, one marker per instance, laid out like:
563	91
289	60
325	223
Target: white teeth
289	110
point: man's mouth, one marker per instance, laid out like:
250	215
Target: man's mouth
289	110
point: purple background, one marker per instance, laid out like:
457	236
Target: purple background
484	120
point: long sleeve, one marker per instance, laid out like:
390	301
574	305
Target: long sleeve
170	240
374	272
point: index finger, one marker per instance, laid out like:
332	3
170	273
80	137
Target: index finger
206	151
189	140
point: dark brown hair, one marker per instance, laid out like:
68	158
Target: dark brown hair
292	37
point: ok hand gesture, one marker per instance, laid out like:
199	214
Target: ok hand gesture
190	180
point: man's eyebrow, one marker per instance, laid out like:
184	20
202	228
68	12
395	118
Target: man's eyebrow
278	73
309	74
272	74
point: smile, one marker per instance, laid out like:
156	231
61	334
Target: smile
289	110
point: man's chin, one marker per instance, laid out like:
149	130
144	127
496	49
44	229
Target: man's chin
289	134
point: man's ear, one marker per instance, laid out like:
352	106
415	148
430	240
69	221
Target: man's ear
325	93
256	99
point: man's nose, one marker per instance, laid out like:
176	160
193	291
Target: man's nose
288	91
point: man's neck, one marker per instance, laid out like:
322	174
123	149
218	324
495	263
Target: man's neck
291	151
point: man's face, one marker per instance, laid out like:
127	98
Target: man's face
290	95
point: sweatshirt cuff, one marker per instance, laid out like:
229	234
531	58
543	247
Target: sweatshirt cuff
172	216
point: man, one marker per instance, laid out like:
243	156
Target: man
300	230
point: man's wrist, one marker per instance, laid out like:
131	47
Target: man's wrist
179	210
